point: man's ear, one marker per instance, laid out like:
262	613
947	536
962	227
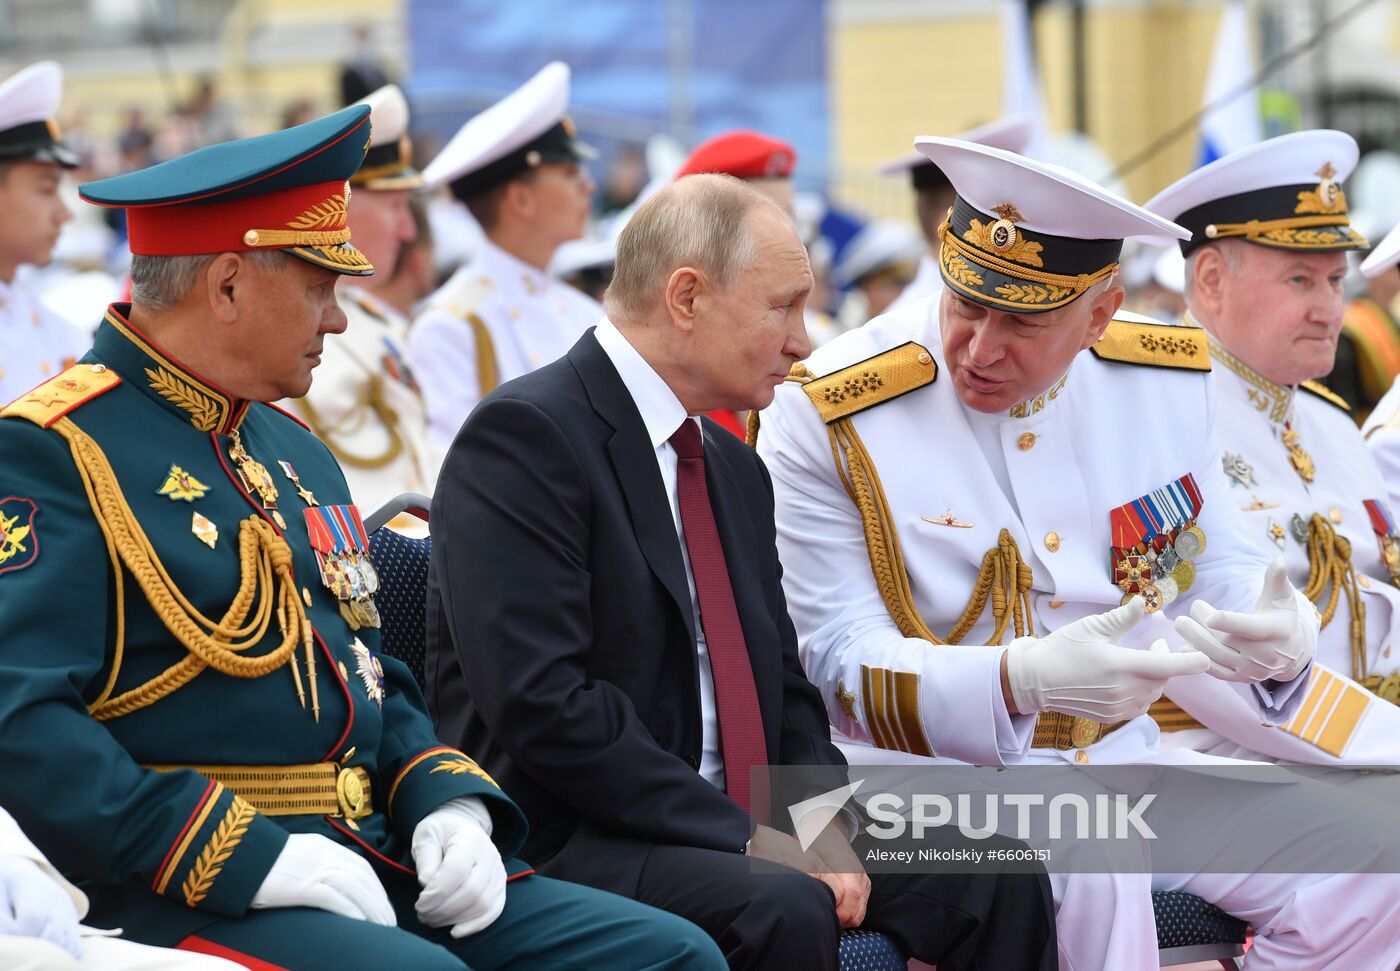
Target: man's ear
1208	280
1101	313
226	278
518	197
684	291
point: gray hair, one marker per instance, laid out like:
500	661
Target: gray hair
163	281
1231	250
700	221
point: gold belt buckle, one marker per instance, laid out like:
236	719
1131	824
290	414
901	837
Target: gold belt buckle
350	794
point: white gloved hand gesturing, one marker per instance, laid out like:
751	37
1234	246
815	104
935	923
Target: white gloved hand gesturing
32	904
1081	669
313	871
459	868
1275	642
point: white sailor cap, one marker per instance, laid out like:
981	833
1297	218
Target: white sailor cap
884	244
388	162
1284	193
1028	236
28	102
1384	257
1011	134
524	129
576	255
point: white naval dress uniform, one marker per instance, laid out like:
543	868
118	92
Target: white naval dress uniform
927	282
1382	435
35	343
529	317
1050	478
1340	723
365	406
101	950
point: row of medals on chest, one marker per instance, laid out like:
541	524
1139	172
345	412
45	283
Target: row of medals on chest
349	573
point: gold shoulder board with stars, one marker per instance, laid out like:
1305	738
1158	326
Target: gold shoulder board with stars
62	393
1155	345
1326	394
871	382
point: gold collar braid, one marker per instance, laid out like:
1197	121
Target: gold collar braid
1072	284
220	645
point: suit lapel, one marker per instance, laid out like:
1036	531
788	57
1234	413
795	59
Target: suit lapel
634	461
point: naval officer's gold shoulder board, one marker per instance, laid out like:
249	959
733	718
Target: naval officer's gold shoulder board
1155	345
1326	394
871	382
62	393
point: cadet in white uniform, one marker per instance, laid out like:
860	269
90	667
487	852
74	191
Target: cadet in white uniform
363	402
1382	428
39	914
933	194
964	472
1266	261
35	344
516	167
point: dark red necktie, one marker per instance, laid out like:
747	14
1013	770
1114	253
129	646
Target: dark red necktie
736	700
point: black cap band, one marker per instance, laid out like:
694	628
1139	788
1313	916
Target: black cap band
35	140
555	145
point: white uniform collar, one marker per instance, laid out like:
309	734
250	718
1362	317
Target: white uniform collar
1033	406
499	265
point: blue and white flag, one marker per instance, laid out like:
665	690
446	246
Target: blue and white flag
1233	124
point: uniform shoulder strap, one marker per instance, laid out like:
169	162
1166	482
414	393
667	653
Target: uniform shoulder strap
1155	345
1326	394
62	394
871	382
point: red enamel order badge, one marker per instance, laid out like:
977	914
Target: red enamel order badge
19	543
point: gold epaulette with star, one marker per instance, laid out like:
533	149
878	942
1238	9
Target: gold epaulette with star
1326	394
62	393
871	382
1155	345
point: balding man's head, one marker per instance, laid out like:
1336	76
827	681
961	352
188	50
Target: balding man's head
699	221
710	286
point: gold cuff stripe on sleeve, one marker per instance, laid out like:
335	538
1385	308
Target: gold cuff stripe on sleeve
413	764
188	838
230	832
1330	714
891	702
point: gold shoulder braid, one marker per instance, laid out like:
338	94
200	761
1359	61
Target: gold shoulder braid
262	555
1157	345
371	397
1325	393
1329	563
1004	578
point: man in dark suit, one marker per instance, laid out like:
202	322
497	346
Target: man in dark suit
607	626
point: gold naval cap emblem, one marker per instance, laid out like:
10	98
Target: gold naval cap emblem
1003	232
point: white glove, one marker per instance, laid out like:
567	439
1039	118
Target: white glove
32	904
313	871
1276	641
459	868
1082	670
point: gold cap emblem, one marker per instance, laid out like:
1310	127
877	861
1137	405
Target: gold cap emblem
1002	234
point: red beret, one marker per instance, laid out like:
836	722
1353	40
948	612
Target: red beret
742	154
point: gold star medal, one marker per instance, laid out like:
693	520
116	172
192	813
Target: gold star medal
180	486
302	491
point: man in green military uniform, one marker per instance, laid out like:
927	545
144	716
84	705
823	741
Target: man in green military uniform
197	723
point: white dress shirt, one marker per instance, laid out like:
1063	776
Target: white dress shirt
662	413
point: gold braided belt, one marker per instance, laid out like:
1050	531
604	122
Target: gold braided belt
318	789
1004	579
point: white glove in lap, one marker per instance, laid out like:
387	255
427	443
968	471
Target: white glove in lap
32	904
1275	642
1081	669
313	871
459	868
